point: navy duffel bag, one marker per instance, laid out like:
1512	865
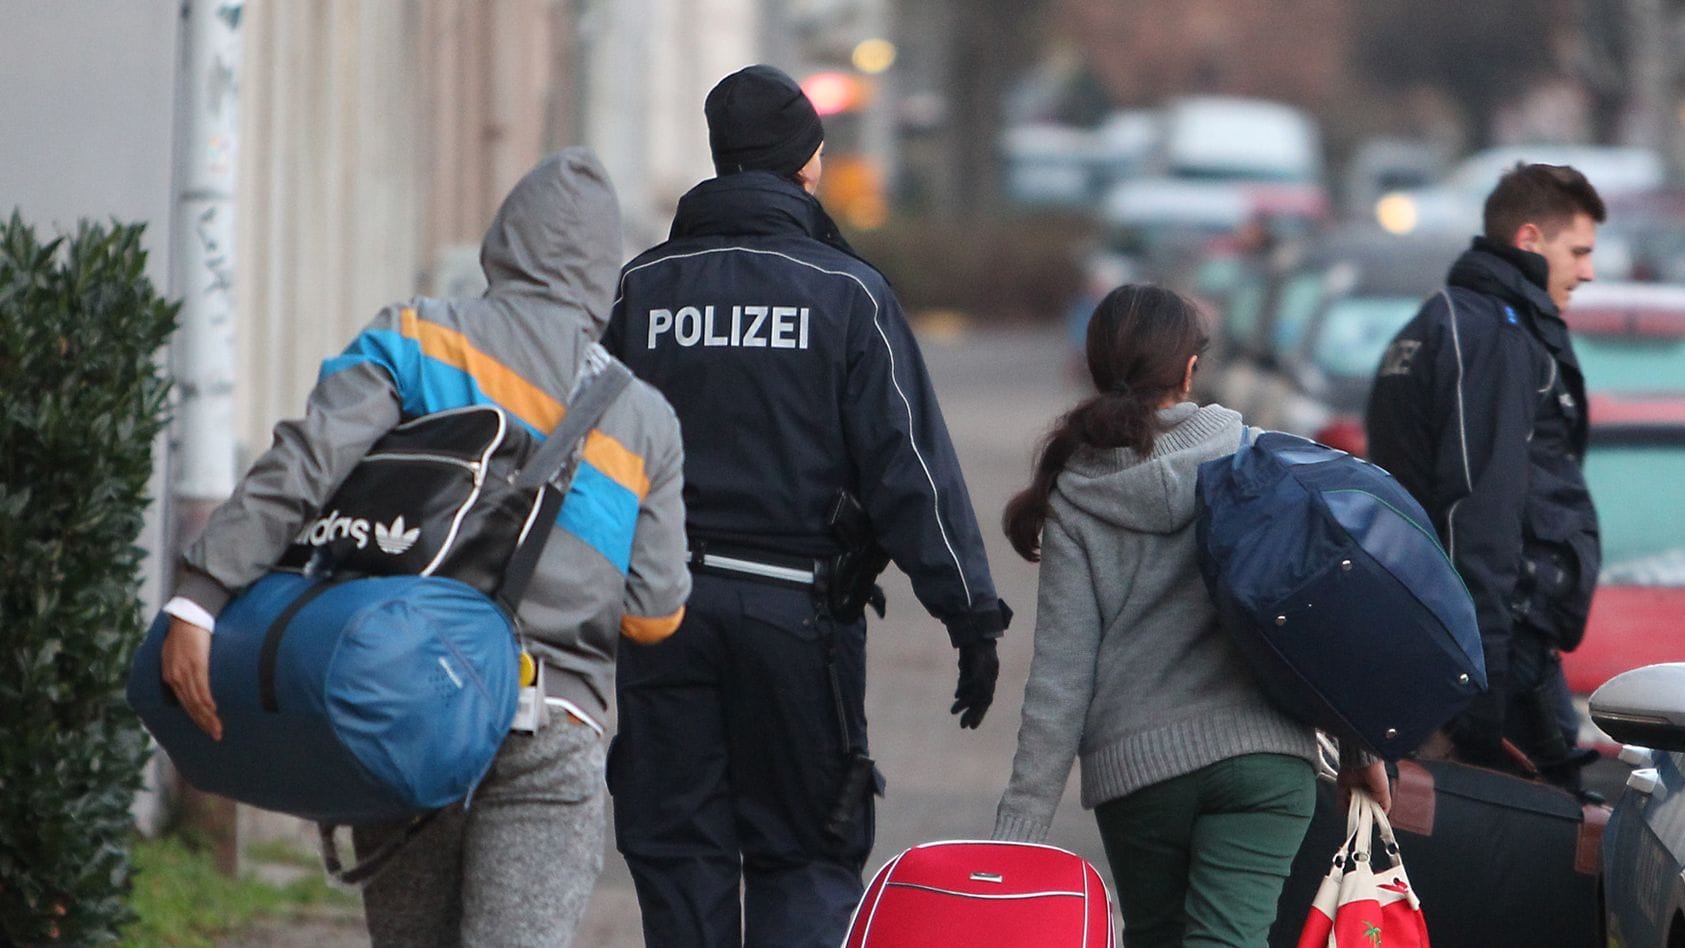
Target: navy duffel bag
1330	579
344	702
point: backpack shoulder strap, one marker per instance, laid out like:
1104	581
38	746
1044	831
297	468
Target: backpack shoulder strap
589	404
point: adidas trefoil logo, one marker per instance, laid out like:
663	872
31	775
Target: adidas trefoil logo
395	539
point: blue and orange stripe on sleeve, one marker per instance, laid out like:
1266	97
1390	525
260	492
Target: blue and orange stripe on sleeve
436	368
647	630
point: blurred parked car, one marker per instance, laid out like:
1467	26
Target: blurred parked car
1630	339
1644	844
1048	164
1643	238
1219	164
1635	469
1303	346
1381	166
1162	220
1455	204
1222	138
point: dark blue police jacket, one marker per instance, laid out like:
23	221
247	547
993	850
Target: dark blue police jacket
1479	410
794	374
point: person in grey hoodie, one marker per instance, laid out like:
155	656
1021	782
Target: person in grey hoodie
1201	788
517	867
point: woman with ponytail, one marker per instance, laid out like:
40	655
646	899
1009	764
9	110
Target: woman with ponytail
1201	788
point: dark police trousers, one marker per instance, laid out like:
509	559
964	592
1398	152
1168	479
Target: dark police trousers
728	760
1540	717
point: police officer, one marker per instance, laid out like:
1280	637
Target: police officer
1479	410
814	451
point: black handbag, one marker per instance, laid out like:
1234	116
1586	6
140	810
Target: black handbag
451	493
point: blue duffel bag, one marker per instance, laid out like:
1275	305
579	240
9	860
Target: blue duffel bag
359	701
1329	577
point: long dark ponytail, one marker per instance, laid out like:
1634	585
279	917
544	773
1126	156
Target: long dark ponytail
1139	341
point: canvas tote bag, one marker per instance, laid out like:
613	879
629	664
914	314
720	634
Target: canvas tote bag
1359	906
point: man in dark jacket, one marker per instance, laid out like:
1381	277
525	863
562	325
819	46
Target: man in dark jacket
1479	409
814	449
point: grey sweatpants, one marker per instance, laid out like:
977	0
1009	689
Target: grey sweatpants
516	867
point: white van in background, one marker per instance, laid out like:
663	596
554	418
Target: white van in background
1220	163
1222	138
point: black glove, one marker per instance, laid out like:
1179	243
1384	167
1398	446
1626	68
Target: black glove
1478	732
979	667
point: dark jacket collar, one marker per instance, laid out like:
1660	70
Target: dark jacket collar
754	204
1518	277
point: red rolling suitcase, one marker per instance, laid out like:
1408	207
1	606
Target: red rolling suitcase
985	895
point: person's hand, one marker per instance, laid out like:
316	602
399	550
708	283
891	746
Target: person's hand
1478	733
1371	777
979	667
187	670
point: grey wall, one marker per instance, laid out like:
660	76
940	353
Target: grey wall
85	117
86	88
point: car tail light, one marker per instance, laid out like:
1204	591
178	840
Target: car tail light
1345	434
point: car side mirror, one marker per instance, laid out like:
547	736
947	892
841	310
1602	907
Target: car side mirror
1645	706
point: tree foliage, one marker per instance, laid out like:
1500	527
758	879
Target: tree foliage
80	326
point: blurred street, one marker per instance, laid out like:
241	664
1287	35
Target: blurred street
1000	389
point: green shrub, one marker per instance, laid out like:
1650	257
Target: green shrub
79	328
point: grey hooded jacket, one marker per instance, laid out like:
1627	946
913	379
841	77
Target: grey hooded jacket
1130	670
616	562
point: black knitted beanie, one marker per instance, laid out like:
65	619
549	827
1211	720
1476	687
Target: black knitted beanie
759	118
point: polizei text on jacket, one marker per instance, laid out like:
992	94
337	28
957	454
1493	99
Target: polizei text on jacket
747	327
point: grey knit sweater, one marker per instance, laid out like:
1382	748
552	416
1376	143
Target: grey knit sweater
1131	671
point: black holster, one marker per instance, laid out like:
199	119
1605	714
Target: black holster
843	586
860	779
848	582
849	805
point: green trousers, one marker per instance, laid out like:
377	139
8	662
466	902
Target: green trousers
1201	859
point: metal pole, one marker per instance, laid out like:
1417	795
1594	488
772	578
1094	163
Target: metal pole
202	356
203	257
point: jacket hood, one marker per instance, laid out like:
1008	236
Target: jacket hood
1154	493
557	237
